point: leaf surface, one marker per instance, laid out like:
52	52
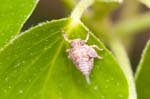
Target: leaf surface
143	73
35	66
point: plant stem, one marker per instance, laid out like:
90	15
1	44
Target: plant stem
122	57
79	9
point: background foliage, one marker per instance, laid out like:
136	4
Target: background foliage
34	65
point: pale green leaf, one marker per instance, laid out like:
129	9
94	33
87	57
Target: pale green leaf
35	66
119	1
132	26
146	2
143	74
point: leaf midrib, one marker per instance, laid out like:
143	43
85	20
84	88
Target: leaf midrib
37	58
51	67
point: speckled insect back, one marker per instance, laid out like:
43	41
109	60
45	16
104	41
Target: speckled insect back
82	55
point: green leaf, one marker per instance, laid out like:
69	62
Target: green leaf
146	2
13	14
35	66
142	75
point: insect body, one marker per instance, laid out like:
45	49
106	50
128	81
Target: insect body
82	55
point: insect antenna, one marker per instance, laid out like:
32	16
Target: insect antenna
87	37
65	37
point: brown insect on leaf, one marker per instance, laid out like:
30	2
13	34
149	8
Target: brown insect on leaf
82	55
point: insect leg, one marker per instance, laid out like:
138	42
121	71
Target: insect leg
99	57
65	37
67	50
95	46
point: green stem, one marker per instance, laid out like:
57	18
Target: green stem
79	9
122	57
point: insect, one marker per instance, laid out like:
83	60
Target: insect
82	55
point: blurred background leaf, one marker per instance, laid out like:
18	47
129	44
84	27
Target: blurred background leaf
13	14
132	26
146	2
96	17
